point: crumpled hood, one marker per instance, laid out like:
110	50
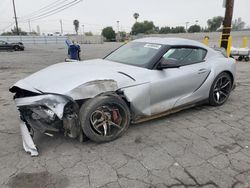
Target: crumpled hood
64	77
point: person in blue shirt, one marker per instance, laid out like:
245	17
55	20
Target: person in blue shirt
74	51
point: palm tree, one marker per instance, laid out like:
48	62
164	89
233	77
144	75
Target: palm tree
76	24
136	16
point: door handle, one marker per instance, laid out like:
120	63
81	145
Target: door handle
201	71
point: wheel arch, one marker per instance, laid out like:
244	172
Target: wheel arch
16	47
230	74
118	94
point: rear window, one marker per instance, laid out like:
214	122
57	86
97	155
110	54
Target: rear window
185	55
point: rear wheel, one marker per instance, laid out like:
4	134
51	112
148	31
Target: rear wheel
247	59
16	48
220	89
240	58
104	118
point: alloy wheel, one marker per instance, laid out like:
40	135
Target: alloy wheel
222	89
107	120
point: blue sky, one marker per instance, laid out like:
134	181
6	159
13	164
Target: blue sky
96	14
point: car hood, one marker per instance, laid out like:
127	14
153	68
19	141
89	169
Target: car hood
61	78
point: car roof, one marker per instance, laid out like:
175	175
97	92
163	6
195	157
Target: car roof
171	41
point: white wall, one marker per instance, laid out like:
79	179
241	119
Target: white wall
237	37
35	39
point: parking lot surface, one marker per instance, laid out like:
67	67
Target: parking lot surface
200	147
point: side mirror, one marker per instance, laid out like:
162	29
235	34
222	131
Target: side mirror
168	63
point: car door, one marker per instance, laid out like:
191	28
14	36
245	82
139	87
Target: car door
5	46
170	84
2	45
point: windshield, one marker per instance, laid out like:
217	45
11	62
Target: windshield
135	53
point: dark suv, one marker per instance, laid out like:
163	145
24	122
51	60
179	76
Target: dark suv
11	46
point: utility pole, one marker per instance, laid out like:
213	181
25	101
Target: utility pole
17	30
29	27
82	34
229	5
187	26
118	31
61	27
82	29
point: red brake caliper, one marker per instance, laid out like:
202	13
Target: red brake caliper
115	115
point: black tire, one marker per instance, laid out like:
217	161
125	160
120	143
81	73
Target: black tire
109	105
16	48
246	59
240	58
220	89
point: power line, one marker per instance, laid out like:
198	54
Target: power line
8	26
45	8
61	27
54	11
43	13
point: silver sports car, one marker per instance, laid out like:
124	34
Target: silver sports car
141	80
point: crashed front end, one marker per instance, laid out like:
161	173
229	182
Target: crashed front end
46	113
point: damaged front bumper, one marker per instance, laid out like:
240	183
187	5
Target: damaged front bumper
28	143
53	102
46	113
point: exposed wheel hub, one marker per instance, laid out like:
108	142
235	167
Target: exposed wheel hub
106	120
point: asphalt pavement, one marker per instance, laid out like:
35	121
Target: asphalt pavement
200	147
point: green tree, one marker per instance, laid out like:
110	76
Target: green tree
146	27
214	23
89	33
238	24
165	30
123	35
194	29
14	32
137	28
178	29
136	16
8	33
76	25
108	33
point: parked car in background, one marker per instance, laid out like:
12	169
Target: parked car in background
58	34
11	46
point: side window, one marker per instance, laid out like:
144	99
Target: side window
186	56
